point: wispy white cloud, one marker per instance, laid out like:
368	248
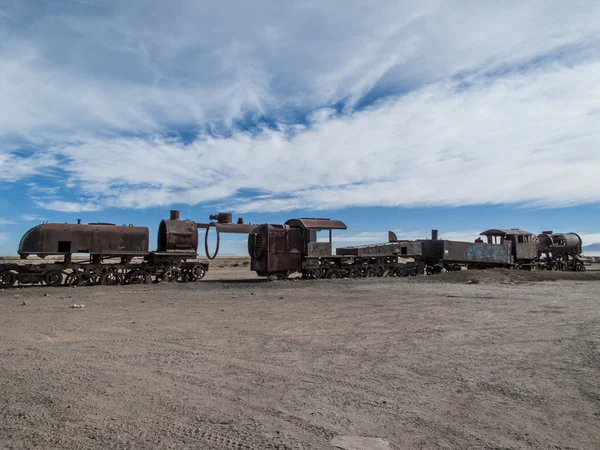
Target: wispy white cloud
501	140
32	217
487	103
66	206
590	238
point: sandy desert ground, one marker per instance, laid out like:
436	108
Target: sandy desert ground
482	360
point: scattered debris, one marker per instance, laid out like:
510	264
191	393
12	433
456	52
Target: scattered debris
45	294
360	443
77	306
473	282
25	303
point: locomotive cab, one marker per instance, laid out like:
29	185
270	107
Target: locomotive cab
524	245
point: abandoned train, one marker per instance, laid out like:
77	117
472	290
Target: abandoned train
111	250
279	250
120	255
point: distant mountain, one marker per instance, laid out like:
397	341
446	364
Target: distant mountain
591	250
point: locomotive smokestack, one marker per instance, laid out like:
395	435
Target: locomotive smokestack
434	235
174	214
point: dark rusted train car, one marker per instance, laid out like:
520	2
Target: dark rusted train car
510	248
111	251
280	250
101	239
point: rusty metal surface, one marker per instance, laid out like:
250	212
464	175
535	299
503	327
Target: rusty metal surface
63	239
505	232
466	252
562	243
319	249
177	235
527	250
408	248
223	222
317	224
233	228
276	248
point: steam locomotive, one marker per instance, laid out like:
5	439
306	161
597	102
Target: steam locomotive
119	254
112	250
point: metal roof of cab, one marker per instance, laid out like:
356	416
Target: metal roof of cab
317	224
512	231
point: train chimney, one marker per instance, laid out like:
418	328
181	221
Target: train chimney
174	214
434	235
78	221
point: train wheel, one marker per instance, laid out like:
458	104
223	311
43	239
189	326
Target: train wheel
173	275
138	277
370	271
317	274
110	279
197	272
579	267
89	278
53	278
564	267
334	273
352	272
7	278
73	279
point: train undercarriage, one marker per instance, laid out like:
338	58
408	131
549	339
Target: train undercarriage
332	267
153	268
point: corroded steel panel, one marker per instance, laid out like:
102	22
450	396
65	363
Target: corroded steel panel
62	239
317	224
527	250
408	248
319	249
276	248
467	252
177	235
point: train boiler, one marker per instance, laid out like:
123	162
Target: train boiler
560	251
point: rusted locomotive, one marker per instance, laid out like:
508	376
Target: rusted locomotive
279	250
111	250
119	254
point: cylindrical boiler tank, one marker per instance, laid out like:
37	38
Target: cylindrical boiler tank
97	239
177	235
560	242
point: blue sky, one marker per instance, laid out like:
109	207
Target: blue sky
397	115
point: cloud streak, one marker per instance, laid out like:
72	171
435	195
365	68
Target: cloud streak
418	103
509	140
